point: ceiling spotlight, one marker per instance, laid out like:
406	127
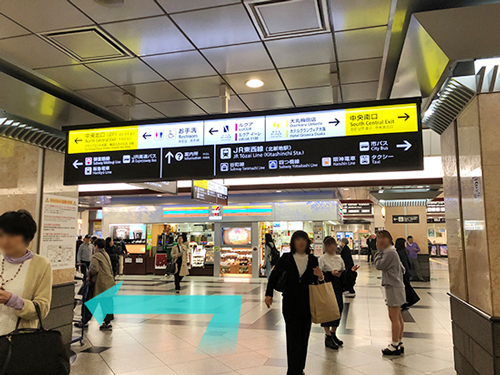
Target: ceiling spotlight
159	195
278	191
254	83
346	188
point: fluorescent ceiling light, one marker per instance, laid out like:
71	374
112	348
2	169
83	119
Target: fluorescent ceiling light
254	83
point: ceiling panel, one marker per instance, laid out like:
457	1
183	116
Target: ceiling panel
9	28
360	70
307	76
267	100
306	50
33	52
138	112
129	10
155	92
217	26
177	108
126	71
360	44
75	77
360	91
183	5
39	16
313	96
181	65
204	87
240	58
270	78
149	36
108	96
214	105
356	14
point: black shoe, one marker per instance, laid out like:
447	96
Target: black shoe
329	343
401	348
80	325
336	340
392	350
105	326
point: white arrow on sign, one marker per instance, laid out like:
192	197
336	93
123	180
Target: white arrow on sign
406	145
169	156
76	164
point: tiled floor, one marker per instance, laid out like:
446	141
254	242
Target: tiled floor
166	344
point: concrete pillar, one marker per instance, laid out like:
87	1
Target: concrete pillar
471	164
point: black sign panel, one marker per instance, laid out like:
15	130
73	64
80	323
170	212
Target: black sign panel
357	208
355	154
405	219
113	166
210	192
352	139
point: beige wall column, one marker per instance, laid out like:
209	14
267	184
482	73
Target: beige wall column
27	172
471	165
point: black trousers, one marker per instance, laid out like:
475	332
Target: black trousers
177	277
84	268
298	328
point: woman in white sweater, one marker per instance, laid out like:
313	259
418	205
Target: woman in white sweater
25	278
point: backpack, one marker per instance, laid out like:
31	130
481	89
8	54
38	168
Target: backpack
275	256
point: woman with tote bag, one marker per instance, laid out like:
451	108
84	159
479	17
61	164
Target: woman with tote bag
180	257
294	273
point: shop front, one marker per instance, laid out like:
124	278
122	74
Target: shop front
224	240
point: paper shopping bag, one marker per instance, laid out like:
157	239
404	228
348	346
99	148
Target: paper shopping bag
324	307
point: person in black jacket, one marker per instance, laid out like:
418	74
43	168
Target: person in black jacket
350	275
372	246
112	251
411	296
301	268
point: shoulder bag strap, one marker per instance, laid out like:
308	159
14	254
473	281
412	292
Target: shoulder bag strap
39	314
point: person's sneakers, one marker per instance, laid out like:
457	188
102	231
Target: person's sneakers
401	347
81	326
105	326
351	294
329	343
336	340
392	350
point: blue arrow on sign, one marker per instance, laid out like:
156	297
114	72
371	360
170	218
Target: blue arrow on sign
221	334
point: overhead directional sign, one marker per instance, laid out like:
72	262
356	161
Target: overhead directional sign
209	191
340	140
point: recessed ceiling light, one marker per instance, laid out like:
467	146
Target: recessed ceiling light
159	195
278	191
109	197
346	188
254	83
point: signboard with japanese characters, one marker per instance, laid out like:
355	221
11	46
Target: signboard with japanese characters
209	191
339	140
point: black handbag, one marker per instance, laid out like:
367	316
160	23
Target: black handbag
33	351
170	270
280	285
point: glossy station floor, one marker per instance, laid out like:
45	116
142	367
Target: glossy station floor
166	344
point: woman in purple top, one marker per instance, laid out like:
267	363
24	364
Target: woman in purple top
412	249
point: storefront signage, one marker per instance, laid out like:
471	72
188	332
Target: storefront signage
209	191
405	219
357	208
366	139
180	212
435	207
264	210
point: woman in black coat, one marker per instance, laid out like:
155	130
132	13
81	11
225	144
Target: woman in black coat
301	268
411	296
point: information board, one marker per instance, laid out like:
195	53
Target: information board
405	219
58	230
209	191
350	140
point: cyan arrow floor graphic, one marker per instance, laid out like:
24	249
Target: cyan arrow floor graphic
221	334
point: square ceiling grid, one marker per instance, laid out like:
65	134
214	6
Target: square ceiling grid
181	51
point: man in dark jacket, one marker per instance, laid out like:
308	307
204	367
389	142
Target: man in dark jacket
372	247
350	275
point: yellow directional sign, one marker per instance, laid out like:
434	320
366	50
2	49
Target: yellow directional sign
107	139
398	118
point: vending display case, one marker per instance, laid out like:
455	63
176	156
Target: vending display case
236	261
